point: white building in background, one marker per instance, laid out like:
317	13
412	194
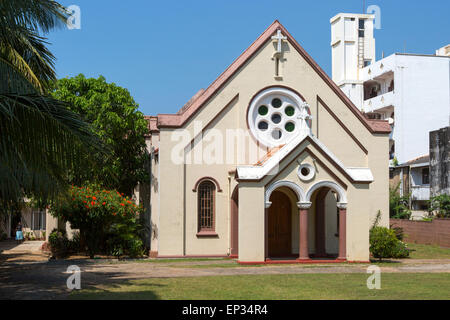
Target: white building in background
412	91
352	48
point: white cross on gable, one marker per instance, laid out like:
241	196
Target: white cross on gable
279	38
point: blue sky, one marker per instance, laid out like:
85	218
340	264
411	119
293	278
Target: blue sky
163	52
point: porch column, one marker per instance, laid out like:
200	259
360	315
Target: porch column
303	230
266	232
342	231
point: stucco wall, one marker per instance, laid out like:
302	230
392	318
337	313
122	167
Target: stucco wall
178	203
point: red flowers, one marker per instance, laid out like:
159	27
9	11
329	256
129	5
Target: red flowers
122	204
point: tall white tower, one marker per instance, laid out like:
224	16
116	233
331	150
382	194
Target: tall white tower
352	48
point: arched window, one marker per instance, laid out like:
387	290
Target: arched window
206	206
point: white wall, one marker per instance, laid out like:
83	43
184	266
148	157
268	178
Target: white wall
421	102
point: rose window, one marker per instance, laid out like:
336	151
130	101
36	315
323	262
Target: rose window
276	115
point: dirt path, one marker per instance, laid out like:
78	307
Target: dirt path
32	276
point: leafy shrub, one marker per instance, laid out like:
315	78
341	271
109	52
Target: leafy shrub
384	242
106	219
400	250
440	206
59	244
398	205
399	234
135	248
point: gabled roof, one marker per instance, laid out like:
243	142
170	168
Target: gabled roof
258	171
181	117
422	161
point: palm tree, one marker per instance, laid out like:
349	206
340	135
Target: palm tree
40	138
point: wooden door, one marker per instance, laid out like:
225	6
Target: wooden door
279	225
235	222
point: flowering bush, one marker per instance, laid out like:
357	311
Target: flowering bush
106	219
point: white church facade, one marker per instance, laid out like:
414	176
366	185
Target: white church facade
271	163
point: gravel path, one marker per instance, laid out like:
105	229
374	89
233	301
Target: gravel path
31	276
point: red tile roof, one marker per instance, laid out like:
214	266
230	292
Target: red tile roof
269	154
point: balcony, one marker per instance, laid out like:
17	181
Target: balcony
379	102
420	192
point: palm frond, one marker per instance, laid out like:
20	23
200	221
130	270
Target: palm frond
41	140
32	14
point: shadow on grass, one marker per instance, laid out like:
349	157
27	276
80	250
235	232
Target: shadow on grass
48	280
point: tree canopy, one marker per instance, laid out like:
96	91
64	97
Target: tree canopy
115	118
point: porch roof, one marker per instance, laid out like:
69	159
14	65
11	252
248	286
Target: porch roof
276	155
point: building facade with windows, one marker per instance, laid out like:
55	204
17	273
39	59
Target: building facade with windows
411	91
271	162
34	223
412	179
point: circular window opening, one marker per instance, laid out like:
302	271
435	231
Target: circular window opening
276	118
289	111
305	171
276	103
276	134
263	125
262	110
290	126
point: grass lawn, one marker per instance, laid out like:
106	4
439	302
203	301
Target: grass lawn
426	251
296	286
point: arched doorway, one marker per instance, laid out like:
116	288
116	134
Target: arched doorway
329	203
326	218
279	231
234	252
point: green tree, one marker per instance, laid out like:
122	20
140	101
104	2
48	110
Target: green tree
116	120
38	134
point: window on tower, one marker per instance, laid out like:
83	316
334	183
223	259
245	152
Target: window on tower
361	28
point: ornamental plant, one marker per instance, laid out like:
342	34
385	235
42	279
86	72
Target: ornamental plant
439	206
107	220
385	242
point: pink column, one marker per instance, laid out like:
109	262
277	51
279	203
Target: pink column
303	236
342	231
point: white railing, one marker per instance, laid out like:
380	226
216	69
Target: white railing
378	102
420	192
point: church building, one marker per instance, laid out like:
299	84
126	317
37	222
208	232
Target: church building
271	163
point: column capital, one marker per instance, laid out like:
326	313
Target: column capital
267	204
342	205
304	205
